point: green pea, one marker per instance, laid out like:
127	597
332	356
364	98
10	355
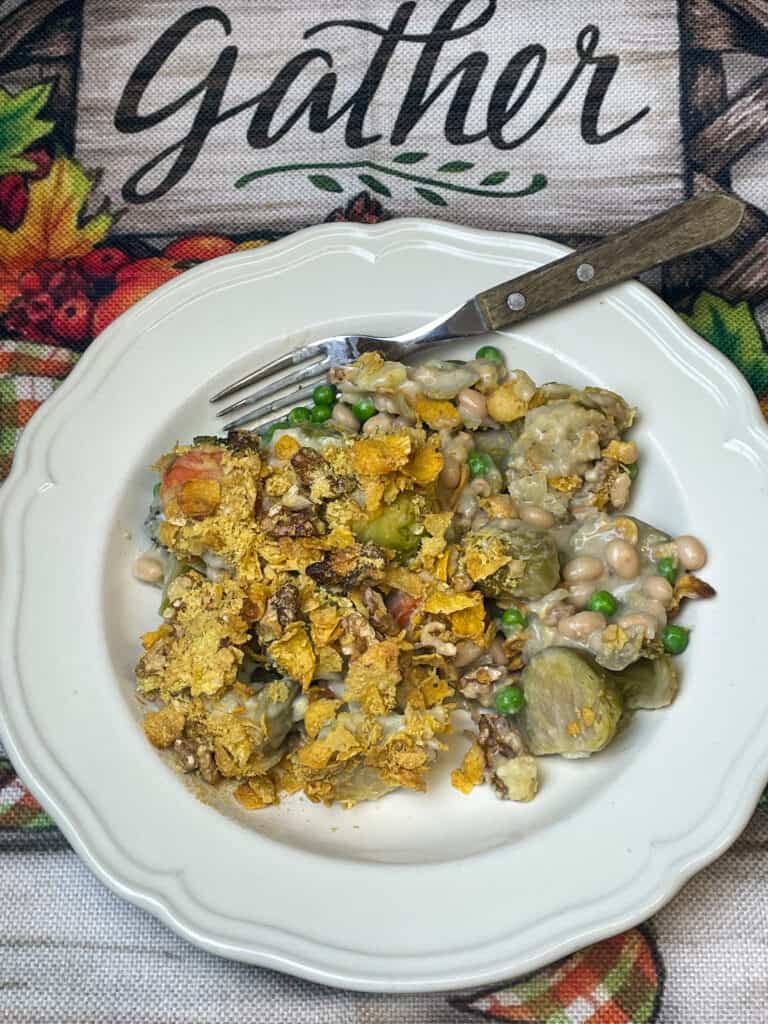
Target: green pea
324	394
675	639
632	469
364	409
602	601
480	464
320	413
299	414
509	699
666	567
514	617
490	353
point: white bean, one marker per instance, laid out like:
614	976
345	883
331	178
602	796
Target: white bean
472	405
619	493
489	373
505	523
384	403
691	553
657	610
467	651
496	651
581	593
450	475
460	445
658	588
381	422
581	626
648	623
411	390
148	569
480	519
536	516
344	418
467	504
584	567
480	486
623	559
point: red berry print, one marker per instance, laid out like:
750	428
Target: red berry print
153	269
72	320
39	308
13	201
30	282
197	248
42	162
68	281
45	269
103	263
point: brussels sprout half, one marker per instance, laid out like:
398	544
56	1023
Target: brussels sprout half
648	683
572	706
535	549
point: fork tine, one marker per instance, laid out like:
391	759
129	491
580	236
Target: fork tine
282	362
260	408
290	380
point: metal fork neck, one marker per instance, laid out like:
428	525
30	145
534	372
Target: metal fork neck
463	322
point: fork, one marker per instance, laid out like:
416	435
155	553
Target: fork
682	229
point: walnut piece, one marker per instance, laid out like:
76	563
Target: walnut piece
347	568
285	604
509	768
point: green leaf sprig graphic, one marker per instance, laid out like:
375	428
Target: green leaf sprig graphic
732	330
20	126
429	188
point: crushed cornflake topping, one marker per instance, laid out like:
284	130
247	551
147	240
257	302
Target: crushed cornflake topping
331	597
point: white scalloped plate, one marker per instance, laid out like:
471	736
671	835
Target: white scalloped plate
412	892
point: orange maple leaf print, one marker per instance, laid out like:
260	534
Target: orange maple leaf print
55	225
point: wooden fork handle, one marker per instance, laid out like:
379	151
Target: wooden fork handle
692	225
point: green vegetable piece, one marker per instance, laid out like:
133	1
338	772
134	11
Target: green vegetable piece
299	414
364	409
675	639
509	700
156	491
173	569
572	706
479	464
490	353
534	569
320	413
632	469
270	432
666	567
393	528
324	394
648	683
602	601
271	708
514	618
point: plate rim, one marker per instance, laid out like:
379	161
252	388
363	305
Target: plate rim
748	427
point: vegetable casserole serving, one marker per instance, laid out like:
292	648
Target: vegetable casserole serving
421	540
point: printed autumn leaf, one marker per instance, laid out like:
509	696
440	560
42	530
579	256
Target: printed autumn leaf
55	225
20	126
732	330
615	980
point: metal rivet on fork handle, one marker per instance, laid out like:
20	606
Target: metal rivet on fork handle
516	301
585	272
